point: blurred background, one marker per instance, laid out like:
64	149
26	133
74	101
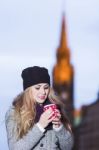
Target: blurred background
62	35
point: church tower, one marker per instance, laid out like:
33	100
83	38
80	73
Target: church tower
63	72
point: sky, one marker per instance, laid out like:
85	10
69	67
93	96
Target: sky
30	35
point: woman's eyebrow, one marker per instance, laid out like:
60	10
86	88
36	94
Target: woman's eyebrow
46	85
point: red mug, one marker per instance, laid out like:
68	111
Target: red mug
53	107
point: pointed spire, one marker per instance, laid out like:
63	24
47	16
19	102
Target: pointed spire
63	71
63	50
63	39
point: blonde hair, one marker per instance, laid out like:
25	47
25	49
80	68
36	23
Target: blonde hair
25	110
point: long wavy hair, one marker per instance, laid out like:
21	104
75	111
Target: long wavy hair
25	111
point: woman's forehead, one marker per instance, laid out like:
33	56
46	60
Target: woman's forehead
41	84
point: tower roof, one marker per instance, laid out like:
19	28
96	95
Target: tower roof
63	50
63	39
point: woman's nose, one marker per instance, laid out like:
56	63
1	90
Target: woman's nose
43	91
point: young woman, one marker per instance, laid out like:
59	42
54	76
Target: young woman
28	126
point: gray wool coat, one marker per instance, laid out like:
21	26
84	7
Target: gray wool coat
35	139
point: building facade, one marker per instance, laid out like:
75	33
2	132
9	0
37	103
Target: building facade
87	133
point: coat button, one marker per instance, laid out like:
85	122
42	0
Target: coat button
56	143
41	145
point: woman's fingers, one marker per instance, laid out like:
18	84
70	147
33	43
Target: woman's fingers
46	118
57	119
51	116
51	119
49	113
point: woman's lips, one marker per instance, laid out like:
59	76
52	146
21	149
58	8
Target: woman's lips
42	97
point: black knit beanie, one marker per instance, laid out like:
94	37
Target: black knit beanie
34	75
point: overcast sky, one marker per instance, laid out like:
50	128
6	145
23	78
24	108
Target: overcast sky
30	34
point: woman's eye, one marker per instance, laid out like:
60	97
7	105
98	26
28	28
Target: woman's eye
46	88
37	88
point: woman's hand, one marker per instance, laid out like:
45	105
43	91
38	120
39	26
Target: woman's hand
57	119
46	118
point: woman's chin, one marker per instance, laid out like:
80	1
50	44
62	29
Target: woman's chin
41	101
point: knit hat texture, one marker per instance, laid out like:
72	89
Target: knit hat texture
35	75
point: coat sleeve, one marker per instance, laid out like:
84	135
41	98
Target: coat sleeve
65	139
28	141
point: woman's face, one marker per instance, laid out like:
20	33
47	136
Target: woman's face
40	92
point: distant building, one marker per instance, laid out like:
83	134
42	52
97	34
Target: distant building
63	73
87	133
